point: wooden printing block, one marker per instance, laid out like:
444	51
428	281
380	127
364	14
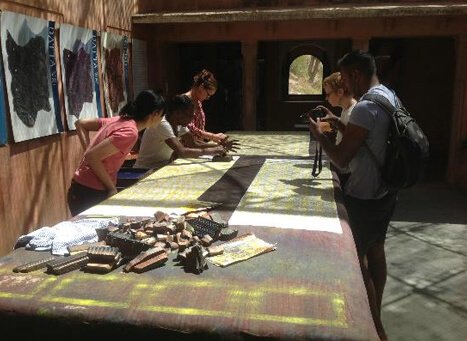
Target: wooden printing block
74	249
126	244
160	245
217	218
186	235
145	221
104	267
67	264
102	254
183	244
144	256
34	265
161	216
163	228
196	259
151	263
179	223
215	250
141	235
149	226
150	241
126	226
182	255
161	237
173	245
101	268
222	158
227	233
135	225
206	240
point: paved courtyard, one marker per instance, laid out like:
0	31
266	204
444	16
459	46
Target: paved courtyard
426	292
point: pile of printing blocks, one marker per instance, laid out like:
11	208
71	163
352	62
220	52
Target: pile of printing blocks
145	244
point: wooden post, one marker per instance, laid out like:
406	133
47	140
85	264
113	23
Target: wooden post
457	163
249	53
361	44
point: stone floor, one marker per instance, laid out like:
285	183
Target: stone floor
426	292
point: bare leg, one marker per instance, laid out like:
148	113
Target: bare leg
372	299
377	267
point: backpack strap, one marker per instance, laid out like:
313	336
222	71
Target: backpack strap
382	102
389	109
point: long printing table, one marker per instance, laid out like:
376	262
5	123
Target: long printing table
310	287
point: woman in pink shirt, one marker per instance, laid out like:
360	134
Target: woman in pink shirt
204	87
96	177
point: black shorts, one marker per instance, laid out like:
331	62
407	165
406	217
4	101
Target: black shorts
369	219
80	197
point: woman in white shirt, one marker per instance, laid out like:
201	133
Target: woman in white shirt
338	96
162	144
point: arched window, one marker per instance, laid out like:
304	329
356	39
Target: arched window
306	76
304	70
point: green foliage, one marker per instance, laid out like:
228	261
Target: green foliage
305	76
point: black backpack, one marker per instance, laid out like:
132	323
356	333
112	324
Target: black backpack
407	150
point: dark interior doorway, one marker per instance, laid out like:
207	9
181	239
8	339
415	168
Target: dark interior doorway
421	71
224	60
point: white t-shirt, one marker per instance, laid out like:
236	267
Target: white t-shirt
154	149
345	115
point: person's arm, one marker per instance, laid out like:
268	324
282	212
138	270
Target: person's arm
83	127
205	135
192	151
229	145
341	154
94	157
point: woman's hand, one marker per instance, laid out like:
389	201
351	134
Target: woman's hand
219	137
330	117
229	145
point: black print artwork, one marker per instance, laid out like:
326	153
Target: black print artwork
29	84
114	72
78	79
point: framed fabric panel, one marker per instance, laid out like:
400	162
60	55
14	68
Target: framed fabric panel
115	69
80	77
28	46
3	128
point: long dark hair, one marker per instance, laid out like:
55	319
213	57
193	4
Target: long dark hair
145	104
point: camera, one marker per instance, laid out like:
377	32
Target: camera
314	113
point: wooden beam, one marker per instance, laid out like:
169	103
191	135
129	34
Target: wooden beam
302	13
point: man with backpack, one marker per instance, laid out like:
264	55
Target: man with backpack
369	202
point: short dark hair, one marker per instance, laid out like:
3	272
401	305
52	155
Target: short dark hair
180	103
359	60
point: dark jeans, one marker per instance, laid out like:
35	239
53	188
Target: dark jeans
80	197
369	219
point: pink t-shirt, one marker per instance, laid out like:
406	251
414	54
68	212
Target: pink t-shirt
123	134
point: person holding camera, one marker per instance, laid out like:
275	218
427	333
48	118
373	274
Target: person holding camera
368	201
338	96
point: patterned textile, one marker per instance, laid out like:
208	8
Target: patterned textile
198	123
67	233
28	67
78	79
